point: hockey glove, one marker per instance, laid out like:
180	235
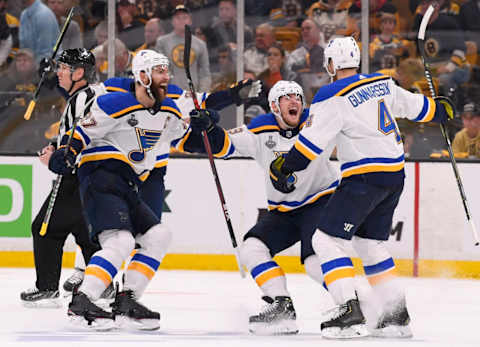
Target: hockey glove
282	179
445	109
201	120
246	89
62	163
46	66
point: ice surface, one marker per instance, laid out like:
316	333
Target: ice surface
200	308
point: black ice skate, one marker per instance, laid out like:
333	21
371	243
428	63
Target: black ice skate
35	298
277	318
130	314
348	322
394	322
74	281
84	312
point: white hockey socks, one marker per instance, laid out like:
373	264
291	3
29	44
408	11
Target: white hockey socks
337	267
147	259
266	272
102	268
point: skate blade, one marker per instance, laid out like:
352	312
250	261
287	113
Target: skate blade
44	303
352	332
128	323
99	324
283	327
393	331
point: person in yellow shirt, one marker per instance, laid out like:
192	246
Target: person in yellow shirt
466	143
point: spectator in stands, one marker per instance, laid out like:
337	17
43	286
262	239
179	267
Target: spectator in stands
130	29
13	25
172	45
100	33
376	9
223	31
153	30
331	16
38	28
123	59
386	48
469	21
466	143
277	69
288	15
100	63
445	47
73	37
5	41
226	74
255	56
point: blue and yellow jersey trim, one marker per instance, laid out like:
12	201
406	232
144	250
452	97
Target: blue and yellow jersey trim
105	153
368	165
102	269
307	148
174	91
228	147
119	84
285	206
118	104
264	272
143	264
428	110
161	160
79	134
346	85
179	144
168	105
268	123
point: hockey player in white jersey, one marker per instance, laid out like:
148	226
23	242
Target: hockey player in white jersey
289	218
358	112
125	136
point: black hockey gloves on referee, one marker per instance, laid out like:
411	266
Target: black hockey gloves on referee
201	120
282	178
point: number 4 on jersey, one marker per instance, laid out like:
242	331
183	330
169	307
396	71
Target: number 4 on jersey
386	123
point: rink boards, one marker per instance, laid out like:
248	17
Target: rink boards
430	235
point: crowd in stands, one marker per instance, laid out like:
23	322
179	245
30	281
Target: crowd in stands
284	39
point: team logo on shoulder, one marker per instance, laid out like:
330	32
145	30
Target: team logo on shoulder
309	121
146	141
235	130
270	143
88	121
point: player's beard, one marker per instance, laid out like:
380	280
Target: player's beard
159	92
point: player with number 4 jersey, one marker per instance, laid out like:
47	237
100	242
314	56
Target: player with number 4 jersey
357	112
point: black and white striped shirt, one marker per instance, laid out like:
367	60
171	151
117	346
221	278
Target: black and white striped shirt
78	106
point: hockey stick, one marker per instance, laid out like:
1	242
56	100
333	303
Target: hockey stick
208	149
56	185
428	76
31	105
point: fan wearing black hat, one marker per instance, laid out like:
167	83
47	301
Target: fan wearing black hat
466	143
172	45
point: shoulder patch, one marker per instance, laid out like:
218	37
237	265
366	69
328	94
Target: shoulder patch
118	104
118	84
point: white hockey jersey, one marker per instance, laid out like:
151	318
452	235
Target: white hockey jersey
119	127
264	140
358	114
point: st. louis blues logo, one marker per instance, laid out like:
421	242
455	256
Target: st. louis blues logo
146	140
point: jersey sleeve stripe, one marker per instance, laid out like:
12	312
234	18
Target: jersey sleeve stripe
161	160
172	110
228	147
80	135
126	110
308	149
428	110
178	144
116	89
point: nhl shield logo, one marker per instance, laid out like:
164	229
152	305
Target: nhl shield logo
270	143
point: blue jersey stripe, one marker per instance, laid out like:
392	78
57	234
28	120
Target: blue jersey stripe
262	267
373	161
382	266
336	263
104	264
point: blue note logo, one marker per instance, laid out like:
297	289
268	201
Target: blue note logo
146	141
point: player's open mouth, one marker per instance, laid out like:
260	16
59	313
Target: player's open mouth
293	111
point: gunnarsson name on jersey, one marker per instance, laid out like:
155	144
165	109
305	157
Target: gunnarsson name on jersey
361	95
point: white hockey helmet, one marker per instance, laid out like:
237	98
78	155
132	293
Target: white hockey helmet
344	53
282	88
144	61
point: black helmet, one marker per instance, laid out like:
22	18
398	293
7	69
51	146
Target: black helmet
79	57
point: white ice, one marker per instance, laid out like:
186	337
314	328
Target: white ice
200	308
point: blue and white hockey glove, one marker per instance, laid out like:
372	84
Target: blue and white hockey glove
282	179
62	163
201	120
246	89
